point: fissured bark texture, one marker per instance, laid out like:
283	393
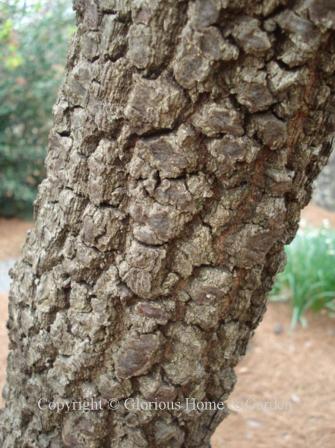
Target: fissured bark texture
186	137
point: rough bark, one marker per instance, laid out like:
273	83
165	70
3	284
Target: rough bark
186	137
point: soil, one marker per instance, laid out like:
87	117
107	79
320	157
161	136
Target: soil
284	396
285	390
315	216
12	236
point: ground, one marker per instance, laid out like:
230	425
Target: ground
286	382
285	388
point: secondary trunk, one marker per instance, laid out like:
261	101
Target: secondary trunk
324	191
185	140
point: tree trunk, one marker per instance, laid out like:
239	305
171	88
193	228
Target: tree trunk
324	191
186	137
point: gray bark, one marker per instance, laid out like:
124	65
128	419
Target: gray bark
324	190
186	137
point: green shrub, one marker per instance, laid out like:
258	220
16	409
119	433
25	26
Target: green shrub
309	276
33	41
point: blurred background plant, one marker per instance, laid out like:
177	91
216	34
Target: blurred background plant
33	40
308	280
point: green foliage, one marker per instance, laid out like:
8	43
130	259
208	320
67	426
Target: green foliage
33	41
309	277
